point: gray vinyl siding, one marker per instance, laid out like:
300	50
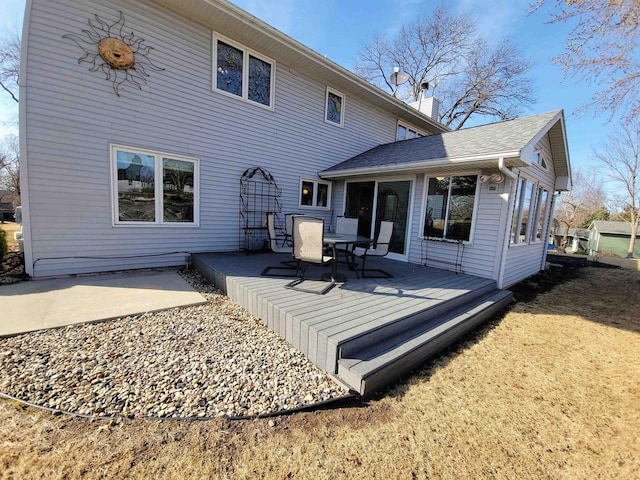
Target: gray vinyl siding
73	115
478	257
524	260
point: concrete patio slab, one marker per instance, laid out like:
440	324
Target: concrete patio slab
40	304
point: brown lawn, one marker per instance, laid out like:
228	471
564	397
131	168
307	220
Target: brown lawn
549	390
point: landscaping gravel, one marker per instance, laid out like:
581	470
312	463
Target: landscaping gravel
203	361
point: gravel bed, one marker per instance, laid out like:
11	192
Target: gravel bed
203	361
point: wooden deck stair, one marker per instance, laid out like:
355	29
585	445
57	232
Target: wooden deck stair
372	360
367	332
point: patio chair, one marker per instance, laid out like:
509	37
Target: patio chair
308	248
379	249
275	248
348	226
288	227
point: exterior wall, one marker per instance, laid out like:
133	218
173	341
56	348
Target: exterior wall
524	260
72	116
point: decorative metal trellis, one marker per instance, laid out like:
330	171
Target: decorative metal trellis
259	195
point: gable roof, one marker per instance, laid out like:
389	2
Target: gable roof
475	147
615	228
223	17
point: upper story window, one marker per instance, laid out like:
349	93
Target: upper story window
153	188
315	193
405	132
451	203
538	159
334	107
242	73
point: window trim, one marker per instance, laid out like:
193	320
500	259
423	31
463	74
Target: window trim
474	215
245	71
158	188
317	182
326	106
542	163
408	127
534	228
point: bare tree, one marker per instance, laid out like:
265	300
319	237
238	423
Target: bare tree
620	157
469	76
603	48
10	64
10	164
585	198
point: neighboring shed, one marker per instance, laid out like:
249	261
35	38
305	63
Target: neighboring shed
577	239
612	237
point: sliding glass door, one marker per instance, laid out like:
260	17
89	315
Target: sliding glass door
375	201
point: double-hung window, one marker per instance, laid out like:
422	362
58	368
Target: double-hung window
450	206
315	193
242	73
154	188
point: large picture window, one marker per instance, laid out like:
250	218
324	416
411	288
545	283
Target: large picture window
153	188
450	206
242	73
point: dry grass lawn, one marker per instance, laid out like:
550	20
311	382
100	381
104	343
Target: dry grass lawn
549	390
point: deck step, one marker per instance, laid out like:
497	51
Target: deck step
381	331
374	365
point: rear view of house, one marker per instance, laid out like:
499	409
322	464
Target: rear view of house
139	118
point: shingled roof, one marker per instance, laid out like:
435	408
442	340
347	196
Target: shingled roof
479	146
614	228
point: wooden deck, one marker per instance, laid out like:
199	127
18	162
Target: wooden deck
368	332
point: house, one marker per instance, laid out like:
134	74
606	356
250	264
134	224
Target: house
8	202
139	118
606	237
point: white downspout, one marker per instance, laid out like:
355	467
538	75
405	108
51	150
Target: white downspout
507	227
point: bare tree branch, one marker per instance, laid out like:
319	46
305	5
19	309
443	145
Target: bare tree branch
10	64
603	48
465	74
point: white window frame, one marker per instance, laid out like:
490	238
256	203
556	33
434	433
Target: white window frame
533	237
476	201
326	107
314	205
518	212
245	71
409	128
158	187
542	162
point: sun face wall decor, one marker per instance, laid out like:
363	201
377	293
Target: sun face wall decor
121	57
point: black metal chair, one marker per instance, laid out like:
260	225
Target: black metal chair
379	249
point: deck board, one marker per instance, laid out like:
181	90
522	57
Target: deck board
317	325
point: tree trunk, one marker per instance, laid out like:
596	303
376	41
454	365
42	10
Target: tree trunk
632	240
